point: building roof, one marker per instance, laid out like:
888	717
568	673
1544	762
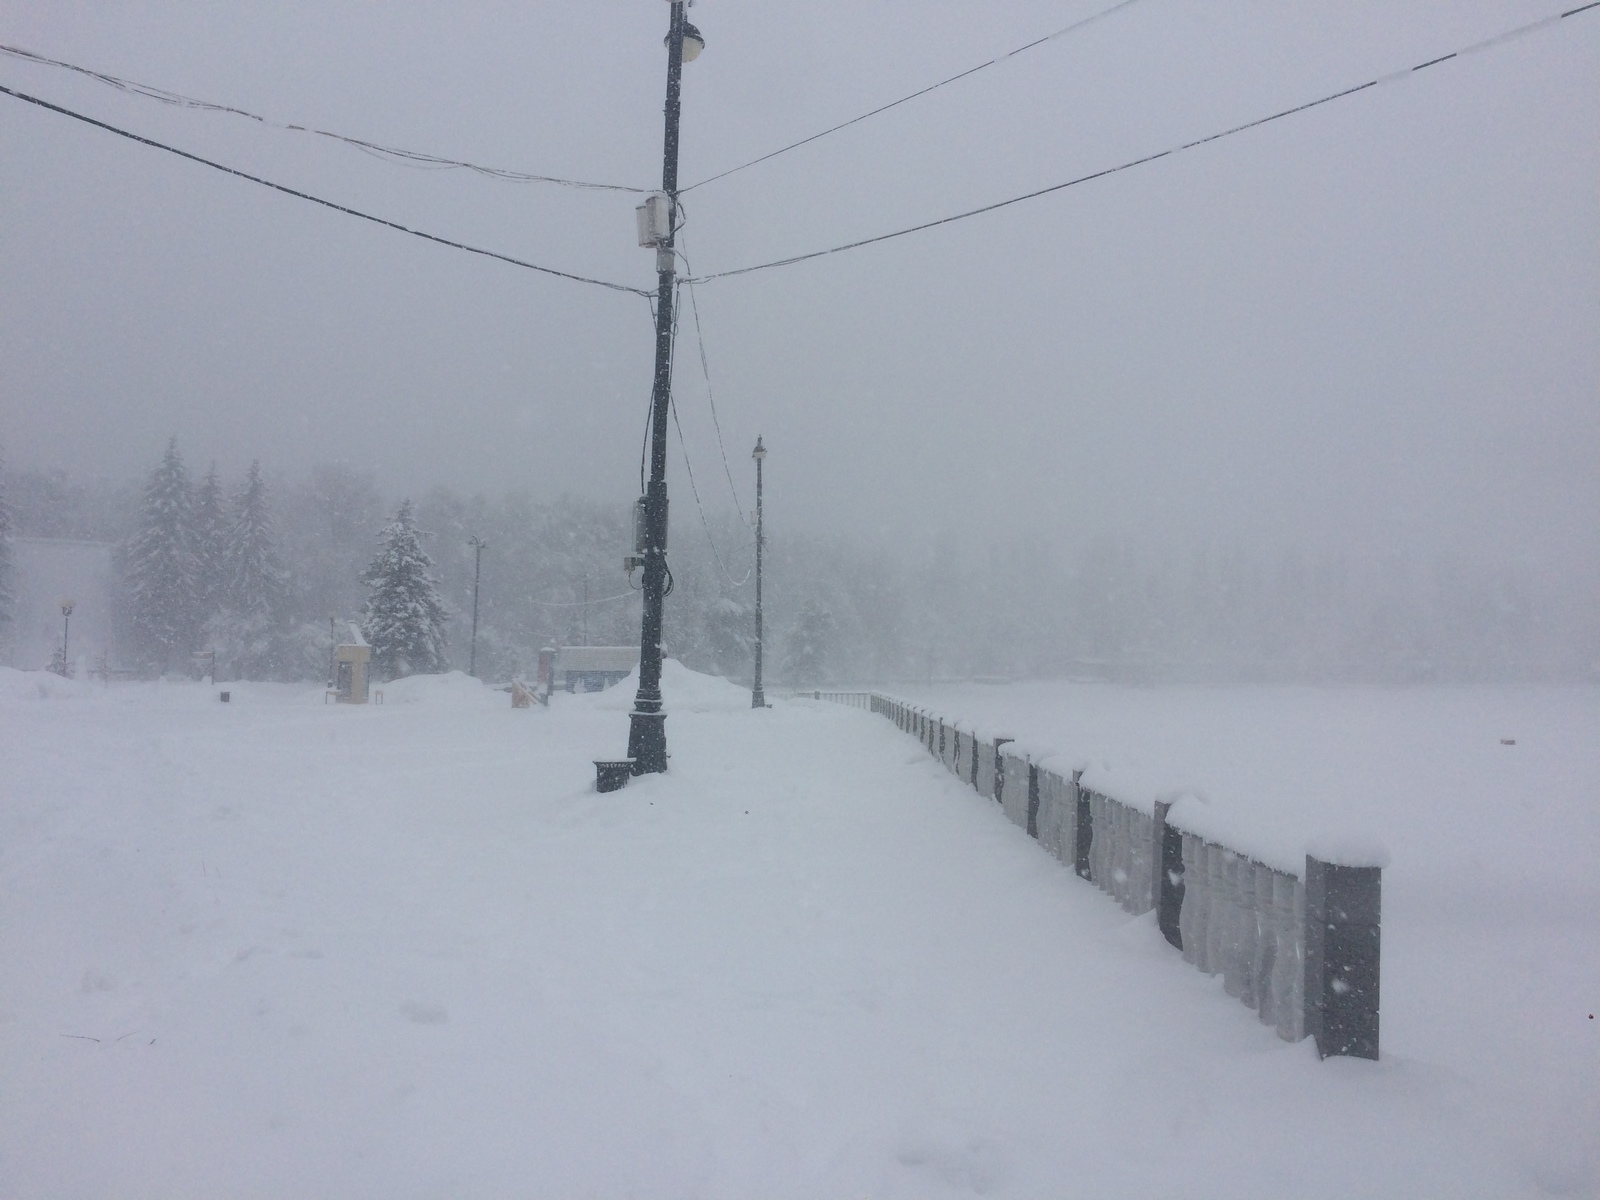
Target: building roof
597	658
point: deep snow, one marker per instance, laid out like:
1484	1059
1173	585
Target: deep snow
276	948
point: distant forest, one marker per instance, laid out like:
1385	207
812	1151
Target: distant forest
838	609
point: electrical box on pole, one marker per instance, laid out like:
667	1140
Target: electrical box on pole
655	220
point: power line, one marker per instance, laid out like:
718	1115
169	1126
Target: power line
1049	37
1486	44
705	370
683	447
414	158
299	195
580	603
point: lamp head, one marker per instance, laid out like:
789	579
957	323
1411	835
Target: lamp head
693	42
760	452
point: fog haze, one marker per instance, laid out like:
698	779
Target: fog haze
1368	326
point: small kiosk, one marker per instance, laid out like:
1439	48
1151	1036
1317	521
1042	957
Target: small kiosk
351	659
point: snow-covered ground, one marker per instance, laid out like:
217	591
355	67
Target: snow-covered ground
274	948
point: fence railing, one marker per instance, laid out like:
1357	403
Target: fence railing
1302	951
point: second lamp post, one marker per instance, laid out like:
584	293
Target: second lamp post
758	698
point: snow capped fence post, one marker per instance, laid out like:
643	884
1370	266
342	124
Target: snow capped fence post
1033	800
1343	932
1051	819
1011	786
1265	943
1232	943
1167	886
1247	930
1288	974
1083	828
1217	910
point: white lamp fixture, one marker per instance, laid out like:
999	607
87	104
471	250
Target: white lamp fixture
693	42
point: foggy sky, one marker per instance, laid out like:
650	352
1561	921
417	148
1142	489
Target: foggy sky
1371	324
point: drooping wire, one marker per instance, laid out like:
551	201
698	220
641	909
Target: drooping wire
688	467
413	158
299	195
1393	76
582	603
1049	37
695	492
705	370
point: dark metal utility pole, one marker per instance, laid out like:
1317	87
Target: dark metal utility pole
66	629
647	731
477	544
758	698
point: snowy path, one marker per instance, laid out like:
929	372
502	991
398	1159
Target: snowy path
274	949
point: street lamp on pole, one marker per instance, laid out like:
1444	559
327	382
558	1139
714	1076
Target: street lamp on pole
658	223
66	629
758	698
477	544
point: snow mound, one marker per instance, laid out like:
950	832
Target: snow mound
454	689
24	686
682	690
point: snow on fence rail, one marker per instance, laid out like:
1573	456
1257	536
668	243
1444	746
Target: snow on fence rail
1301	950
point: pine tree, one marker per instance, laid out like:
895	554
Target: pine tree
210	544
404	617
161	569
810	645
246	628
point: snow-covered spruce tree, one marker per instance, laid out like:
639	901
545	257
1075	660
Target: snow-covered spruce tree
246	629
404	616
210	523
160	569
809	646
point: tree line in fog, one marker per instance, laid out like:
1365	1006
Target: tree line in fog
262	569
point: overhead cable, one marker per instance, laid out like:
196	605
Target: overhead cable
705	371
299	195
580	603
416	158
1049	37
1488	43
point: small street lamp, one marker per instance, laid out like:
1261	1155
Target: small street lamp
477	544
66	629
758	698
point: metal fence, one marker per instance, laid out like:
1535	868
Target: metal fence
1302	951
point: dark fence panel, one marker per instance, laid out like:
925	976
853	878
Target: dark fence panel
1304	954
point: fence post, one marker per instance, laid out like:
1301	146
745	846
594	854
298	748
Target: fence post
1033	800
1085	829
1167	893
999	770
1343	939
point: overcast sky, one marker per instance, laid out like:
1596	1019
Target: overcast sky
1376	323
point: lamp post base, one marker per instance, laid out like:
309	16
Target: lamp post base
647	742
758	699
